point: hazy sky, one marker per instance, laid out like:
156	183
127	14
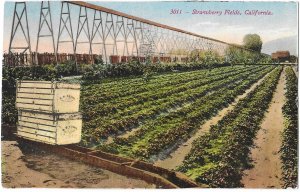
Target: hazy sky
229	28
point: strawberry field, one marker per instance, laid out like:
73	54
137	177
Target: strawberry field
149	118
219	157
110	109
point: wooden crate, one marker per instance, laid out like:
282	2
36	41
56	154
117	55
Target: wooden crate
55	129
48	96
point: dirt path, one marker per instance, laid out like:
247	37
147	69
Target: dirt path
177	157
15	174
266	172
23	167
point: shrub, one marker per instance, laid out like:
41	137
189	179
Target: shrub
135	68
67	69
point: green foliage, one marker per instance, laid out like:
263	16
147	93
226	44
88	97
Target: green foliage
293	59
98	60
235	55
99	71
95	71
67	69
289	151
253	42
116	107
205	57
263	59
135	68
100	100
9	112
148	60
226	147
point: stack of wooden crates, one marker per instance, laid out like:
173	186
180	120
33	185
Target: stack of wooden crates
48	112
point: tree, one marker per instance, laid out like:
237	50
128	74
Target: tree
252	41
293	59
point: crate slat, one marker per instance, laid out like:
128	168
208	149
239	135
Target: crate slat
34	107
37	126
37	132
67	86
35	101
34	90
34	96
45	116
37	121
35	84
38	138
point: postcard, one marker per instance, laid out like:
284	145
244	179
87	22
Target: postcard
149	94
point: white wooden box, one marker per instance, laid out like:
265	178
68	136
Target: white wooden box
48	96
56	129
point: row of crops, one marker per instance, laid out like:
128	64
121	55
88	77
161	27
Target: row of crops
289	152
109	108
164	110
219	157
157	135
148	119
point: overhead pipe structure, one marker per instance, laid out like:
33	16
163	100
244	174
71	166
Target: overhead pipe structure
116	34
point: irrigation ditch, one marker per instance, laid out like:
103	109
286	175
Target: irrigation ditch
134	168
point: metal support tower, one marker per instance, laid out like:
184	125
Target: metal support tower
109	35
139	37
131	31
130	37
65	24
98	33
83	25
20	13
46	22
119	34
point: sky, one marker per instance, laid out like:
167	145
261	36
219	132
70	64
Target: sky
229	28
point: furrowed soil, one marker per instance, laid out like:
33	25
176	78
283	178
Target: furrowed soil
177	156
266	172
24	167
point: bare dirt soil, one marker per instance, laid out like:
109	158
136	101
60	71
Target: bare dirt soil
266	172
23	167
177	156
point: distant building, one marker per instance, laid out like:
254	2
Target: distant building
281	56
